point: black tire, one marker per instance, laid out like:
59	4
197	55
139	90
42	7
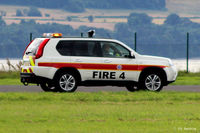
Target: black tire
48	88
132	88
152	81
66	82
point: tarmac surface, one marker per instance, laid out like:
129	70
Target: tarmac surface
33	88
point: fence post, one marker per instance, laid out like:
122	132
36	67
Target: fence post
135	41
31	37
187	52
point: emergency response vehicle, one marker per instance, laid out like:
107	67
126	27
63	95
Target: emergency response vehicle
61	64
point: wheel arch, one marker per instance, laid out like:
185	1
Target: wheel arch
69	69
154	69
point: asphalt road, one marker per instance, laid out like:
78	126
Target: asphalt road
20	88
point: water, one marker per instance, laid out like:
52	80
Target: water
181	65
194	64
5	67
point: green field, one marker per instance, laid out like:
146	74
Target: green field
13	78
102	112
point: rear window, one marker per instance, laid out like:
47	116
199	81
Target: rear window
33	47
78	48
65	47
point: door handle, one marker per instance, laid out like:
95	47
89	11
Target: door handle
107	61
78	60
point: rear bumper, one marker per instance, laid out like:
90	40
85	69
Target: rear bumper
27	78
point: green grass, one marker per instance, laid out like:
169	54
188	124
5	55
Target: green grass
8	81
185	78
13	78
187	81
9	75
10	78
102	112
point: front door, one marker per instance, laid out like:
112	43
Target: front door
86	57
116	63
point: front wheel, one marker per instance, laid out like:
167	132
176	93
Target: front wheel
152	82
66	82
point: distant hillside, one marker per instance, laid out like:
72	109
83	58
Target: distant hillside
80	5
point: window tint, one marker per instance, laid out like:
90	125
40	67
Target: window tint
79	48
65	47
85	48
111	49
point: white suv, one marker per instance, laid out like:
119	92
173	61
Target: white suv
62	64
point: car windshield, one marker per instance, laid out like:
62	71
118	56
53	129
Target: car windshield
33	47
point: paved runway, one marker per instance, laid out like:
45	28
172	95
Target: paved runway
20	88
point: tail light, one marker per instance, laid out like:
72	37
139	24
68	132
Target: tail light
41	48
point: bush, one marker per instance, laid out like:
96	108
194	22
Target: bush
69	18
91	18
76	7
19	13
47	15
33	11
2	22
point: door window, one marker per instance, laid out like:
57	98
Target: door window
85	48
110	49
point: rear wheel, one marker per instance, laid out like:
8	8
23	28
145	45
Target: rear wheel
152	81
47	87
66	82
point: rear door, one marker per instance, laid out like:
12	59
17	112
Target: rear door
86	58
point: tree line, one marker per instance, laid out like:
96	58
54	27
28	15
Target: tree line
80	5
168	39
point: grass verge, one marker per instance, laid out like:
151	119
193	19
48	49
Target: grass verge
185	78
10	78
9	75
102	112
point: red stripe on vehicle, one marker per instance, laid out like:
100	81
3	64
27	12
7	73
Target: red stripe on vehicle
99	66
30	70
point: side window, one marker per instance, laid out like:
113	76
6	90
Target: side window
78	48
85	48
64	47
111	49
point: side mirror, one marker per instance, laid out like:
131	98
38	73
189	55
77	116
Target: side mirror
132	55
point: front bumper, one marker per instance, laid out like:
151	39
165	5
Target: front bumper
171	73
